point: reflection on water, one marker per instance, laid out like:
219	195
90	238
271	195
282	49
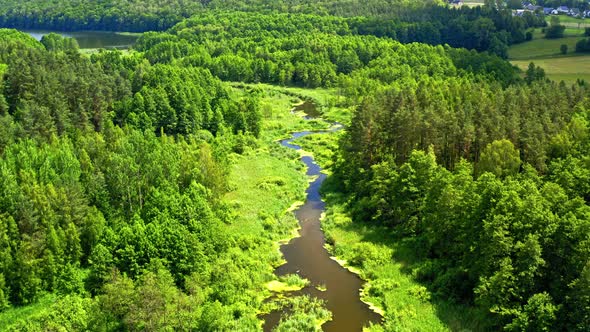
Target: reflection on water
310	109
307	257
92	39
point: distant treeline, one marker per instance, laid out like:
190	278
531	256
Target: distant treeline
306	50
480	28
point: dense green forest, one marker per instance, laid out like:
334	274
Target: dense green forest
119	200
492	185
112	174
480	28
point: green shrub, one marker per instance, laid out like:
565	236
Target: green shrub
368	253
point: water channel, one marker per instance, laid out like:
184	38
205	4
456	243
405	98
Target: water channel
307	257
92	39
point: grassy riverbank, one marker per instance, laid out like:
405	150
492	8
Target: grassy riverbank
389	266
267	181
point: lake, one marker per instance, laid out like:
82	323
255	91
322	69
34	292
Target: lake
92	39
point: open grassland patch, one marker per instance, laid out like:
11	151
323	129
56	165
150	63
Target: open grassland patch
568	69
542	48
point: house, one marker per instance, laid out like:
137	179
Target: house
574	12
518	12
548	10
562	10
531	7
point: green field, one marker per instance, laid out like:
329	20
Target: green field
541	48
567	69
546	53
572	22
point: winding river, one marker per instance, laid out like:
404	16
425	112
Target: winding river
307	257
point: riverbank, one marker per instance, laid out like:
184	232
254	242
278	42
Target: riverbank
268	183
305	254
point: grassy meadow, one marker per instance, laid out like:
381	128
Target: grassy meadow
547	54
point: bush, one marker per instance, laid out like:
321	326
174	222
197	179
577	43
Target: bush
528	35
554	31
563	49
587	32
583	46
379	287
367	253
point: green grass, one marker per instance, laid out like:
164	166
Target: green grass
331	101
567	69
15	314
571	22
322	146
541	48
546	53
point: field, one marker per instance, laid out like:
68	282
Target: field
568	69
541	48
572	22
546	53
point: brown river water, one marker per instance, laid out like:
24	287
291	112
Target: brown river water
307	257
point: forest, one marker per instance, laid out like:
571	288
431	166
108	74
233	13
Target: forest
125	198
480	28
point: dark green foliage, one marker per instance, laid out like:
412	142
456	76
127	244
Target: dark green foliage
283	54
563	49
555	30
583	46
480	28
95	15
55	42
534	73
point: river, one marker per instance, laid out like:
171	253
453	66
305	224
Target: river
307	257
92	39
